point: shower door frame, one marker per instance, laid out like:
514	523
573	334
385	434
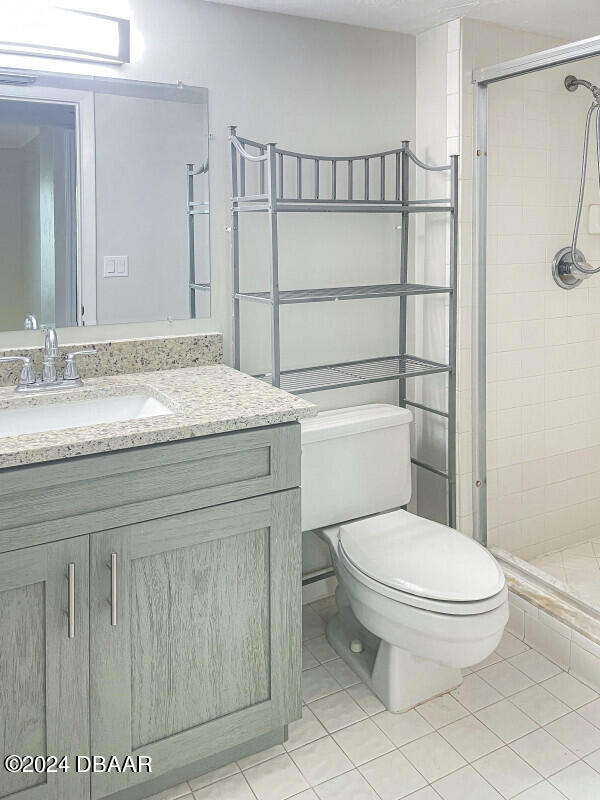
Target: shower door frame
482	78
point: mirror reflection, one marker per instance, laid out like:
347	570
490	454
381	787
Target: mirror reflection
104	205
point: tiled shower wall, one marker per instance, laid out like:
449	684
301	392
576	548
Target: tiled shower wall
543	342
543	376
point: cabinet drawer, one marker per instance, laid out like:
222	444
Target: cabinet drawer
52	501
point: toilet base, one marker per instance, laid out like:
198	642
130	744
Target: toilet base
398	678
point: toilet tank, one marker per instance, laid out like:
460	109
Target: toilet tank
355	462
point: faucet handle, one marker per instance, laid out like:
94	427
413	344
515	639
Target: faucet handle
27	376
71	372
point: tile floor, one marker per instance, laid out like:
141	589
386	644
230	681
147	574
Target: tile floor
578	566
518	727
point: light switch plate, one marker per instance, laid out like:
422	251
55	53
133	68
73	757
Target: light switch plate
594	219
116	266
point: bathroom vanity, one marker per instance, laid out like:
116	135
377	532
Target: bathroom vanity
150	582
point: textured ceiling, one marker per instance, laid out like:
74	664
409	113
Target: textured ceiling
568	19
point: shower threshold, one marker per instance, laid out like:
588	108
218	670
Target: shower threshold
548	593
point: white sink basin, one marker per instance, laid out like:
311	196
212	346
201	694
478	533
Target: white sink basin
99	411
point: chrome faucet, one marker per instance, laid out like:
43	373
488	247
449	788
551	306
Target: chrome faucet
50	355
49	379
30	323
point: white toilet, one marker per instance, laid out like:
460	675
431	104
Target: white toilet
417	601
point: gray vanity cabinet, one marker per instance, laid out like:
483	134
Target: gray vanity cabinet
43	670
200	648
186	595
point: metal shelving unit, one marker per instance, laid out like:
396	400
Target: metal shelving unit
194	208
374	183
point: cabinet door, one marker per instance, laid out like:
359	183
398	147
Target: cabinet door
44	672
202	649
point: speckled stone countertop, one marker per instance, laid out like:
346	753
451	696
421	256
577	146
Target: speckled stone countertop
204	400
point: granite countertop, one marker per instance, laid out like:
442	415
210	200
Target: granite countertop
204	400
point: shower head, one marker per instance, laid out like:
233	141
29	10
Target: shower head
572	83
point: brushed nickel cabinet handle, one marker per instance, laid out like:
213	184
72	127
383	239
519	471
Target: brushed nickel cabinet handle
71	612
113	589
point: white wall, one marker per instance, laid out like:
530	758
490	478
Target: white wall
309	85
543	355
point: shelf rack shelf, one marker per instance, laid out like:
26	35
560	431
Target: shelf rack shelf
354	373
370	292
285	181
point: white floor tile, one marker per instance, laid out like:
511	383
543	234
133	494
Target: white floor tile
337	711
276	779
321	760
466	784
392	776
233	788
510	646
305	730
342	672
545	753
263	755
570	690
351	786
363	742
534	665
366	699
541	791
591	711
505	678
494	658
471	738
433	756
593	760
576	733
213	776
506	721
578	782
427	793
308	660
402	728
343	748
321	649
442	710
312	624
540	704
325	607
475	693
179	792
507	772
316	683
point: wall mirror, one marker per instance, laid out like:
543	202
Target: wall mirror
104	201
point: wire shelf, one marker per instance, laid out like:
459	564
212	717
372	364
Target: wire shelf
346	293
315	205
354	373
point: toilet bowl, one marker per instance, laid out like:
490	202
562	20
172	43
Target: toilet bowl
417	601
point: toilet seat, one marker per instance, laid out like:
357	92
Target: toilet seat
421	563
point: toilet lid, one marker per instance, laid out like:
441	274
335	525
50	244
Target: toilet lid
421	557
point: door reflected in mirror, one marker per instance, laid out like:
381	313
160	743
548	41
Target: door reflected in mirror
104	202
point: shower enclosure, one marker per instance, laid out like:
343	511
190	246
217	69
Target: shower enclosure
536	329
